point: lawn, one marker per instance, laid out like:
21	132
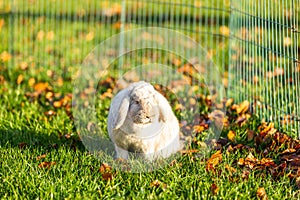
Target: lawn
42	156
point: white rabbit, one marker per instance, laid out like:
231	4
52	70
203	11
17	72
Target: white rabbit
141	121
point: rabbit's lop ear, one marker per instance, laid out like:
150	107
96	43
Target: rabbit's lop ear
122	112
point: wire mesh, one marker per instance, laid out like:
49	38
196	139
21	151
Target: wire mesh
264	59
261	62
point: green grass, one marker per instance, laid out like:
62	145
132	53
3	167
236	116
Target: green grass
26	132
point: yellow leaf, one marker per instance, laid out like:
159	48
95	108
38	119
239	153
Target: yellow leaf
5	56
261	194
231	136
20	79
224	30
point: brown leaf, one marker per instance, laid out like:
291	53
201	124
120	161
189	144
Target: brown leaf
261	193
22	145
214	189
250	135
41	156
213	161
107	176
104	168
46	164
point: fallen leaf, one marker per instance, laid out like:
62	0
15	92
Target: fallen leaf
22	145
250	135
5	56
288	151
231	136
214	160
107	176
104	168
224	30
41	156
57	104
41	87
20	79
46	164
90	36
261	193
214	189
198	128
243	107
241	161
31	82
155	183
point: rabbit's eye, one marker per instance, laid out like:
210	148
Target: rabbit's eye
136	102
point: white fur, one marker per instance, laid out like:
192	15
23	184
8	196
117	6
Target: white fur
141	120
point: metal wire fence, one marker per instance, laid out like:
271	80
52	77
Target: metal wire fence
253	43
264	64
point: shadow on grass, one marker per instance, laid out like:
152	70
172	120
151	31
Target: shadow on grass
33	139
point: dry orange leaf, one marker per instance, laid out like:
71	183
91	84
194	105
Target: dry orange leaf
41	156
155	183
41	87
261	193
107	176
46	164
214	160
57	104
198	128
287	151
231	136
20	79
214	189
241	161
104	168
